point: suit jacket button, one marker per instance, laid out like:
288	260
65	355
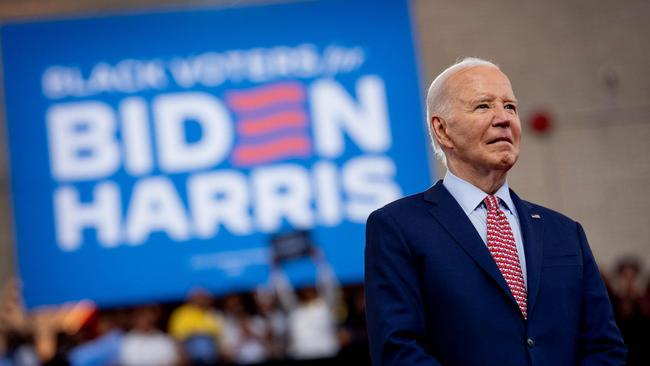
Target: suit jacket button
530	342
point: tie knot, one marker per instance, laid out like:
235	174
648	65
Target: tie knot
491	202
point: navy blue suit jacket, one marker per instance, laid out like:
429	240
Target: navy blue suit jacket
436	297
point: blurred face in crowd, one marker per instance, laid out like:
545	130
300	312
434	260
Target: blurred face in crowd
201	298
308	294
482	131
145	318
233	304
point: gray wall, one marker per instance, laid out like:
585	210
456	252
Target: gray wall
593	166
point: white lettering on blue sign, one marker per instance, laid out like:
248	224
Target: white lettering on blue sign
84	145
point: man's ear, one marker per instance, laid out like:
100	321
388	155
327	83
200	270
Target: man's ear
439	128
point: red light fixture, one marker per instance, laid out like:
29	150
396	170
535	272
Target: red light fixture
541	122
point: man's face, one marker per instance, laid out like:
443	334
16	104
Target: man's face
483	126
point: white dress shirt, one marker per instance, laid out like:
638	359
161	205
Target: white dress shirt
470	198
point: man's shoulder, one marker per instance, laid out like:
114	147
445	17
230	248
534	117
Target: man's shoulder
406	203
405	208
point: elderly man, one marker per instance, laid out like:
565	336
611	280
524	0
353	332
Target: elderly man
467	273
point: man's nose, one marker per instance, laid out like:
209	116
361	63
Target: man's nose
502	117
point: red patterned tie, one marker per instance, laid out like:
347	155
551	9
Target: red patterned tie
501	243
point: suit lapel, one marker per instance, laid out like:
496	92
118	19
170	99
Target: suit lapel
451	216
532	228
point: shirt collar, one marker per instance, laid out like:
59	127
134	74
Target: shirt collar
470	197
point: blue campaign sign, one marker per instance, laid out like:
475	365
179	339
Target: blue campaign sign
152	153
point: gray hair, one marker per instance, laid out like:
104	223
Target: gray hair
438	103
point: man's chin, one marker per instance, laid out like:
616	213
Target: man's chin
505	162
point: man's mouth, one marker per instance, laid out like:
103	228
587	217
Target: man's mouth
500	139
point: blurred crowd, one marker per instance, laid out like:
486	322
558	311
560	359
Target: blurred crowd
275	324
629	291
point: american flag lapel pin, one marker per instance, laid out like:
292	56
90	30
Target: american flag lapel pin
536	216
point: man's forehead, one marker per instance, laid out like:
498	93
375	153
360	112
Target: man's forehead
488	97
480	83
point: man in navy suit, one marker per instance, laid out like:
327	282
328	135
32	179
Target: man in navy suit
467	273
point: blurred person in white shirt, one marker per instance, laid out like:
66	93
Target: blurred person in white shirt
311	316
145	344
246	336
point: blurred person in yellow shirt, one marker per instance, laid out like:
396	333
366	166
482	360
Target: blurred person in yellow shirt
198	327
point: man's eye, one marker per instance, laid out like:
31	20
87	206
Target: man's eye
483	106
511	106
